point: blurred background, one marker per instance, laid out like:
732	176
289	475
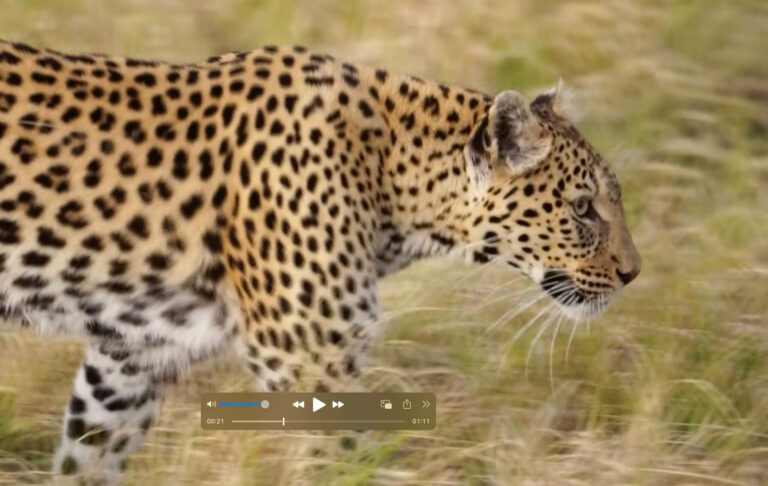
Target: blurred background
669	387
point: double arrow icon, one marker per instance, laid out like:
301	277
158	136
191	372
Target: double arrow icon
337	404
298	404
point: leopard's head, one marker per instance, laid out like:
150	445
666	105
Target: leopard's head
547	204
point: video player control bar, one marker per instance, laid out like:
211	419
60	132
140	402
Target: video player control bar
318	411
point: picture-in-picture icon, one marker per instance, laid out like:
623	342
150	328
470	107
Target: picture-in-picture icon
386	404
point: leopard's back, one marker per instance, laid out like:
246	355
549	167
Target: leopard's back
108	179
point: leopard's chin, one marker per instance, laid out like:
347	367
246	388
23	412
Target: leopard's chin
575	302
590	309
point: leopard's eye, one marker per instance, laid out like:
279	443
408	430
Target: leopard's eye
582	206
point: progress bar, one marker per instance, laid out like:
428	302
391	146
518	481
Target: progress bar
316	421
255	421
259	421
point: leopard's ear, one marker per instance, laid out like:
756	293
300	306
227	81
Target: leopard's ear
508	135
557	102
517	138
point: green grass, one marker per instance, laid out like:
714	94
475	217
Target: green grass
670	387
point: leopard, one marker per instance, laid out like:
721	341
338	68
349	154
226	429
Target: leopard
251	202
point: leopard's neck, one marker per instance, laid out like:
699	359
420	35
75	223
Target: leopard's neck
425	198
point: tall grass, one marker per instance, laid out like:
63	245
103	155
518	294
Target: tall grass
670	387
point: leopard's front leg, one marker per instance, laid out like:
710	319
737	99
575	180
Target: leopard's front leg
113	404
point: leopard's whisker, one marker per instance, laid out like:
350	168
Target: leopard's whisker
523	293
568	301
521	331
503	287
386	317
570	338
472	273
552	349
510	314
542	329
514	312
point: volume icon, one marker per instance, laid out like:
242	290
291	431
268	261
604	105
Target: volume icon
298	404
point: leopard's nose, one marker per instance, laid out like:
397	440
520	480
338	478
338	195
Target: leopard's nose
627	277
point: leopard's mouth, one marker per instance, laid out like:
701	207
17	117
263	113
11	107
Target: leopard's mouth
574	301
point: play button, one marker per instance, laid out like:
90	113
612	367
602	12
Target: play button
317	404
